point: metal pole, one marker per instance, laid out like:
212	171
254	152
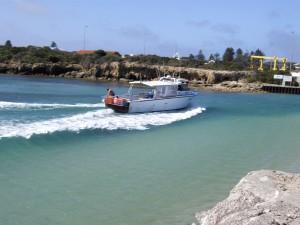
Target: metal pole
292	53
84	36
144	43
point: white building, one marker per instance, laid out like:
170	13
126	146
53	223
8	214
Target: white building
176	56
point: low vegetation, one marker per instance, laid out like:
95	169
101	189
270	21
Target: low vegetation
34	54
230	60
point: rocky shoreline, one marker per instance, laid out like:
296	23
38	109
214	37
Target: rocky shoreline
204	79
230	86
261	198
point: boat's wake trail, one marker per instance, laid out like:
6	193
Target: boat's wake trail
100	119
21	105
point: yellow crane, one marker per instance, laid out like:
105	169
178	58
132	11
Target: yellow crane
275	60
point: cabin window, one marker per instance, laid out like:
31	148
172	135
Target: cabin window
158	92
163	91
171	91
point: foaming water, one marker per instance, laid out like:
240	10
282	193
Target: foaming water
100	119
23	105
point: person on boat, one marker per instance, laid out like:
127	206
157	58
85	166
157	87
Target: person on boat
110	92
180	88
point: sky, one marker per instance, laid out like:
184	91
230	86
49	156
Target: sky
160	27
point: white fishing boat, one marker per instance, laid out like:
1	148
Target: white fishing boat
151	96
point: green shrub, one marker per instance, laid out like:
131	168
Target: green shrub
100	53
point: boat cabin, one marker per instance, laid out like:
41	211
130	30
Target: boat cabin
152	89
181	82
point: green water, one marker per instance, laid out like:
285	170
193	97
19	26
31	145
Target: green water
131	170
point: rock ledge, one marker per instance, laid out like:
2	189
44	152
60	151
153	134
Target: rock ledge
260	198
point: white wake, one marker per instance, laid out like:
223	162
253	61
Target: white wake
21	105
100	119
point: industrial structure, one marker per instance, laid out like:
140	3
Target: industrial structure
273	65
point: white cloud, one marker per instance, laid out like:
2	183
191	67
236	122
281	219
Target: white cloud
274	15
139	32
198	24
285	43
224	28
30	6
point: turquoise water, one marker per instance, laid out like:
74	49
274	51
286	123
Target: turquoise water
64	159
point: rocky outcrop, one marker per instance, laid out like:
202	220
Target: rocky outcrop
3	68
39	68
127	70
200	77
228	86
260	198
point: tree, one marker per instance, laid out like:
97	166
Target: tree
100	53
201	56
239	54
259	52
211	57
53	44
246	57
217	56
239	62
228	55
239	57
8	44
191	57
54	59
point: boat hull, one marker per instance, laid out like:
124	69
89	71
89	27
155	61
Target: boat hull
144	105
155	105
118	108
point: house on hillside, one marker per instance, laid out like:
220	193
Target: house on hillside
85	52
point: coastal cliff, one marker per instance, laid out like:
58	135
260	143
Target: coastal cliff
124	71
260	198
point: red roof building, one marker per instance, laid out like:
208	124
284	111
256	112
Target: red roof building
86	52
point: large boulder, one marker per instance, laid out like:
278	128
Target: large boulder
3	67
25	68
96	71
57	69
107	70
74	67
13	68
40	68
260	198
80	75
133	71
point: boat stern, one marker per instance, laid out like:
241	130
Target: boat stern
117	104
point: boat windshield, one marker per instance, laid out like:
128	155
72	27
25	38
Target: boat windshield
152	89
140	92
